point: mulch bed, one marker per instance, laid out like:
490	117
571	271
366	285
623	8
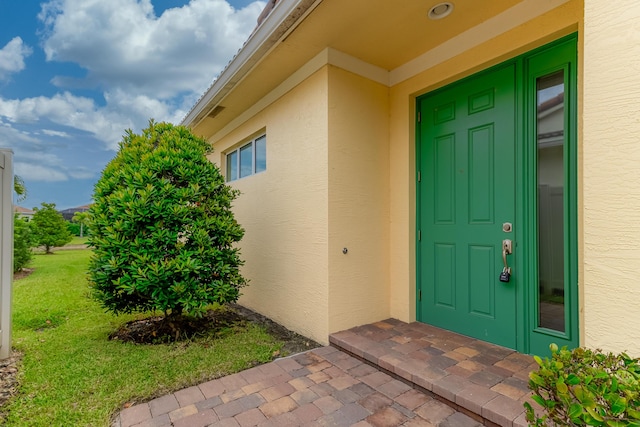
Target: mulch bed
154	330
22	273
8	374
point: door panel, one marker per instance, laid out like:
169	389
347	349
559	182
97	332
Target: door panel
480	282
444	202
445	275
467	136
481	170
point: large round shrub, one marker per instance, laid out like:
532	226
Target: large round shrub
163	232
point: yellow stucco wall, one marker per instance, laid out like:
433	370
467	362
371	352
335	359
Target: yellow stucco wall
358	200
284	210
545	28
610	179
300	213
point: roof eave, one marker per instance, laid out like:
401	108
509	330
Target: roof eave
284	17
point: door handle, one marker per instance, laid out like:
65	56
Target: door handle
507	249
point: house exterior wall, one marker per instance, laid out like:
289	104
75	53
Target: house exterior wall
358	200
341	173
284	209
609	178
300	213
509	43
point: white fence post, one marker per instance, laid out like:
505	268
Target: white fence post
6	249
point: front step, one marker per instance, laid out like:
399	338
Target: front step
485	381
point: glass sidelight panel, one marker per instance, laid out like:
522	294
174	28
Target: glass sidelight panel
550	125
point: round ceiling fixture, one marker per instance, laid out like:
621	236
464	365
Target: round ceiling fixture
441	10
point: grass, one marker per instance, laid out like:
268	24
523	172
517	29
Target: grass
71	374
77	240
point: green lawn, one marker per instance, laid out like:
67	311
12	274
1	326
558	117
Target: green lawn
79	240
72	375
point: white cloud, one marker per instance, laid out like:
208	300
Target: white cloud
13	138
139	66
147	66
106	123
123	44
55	133
12	57
33	172
81	173
33	160
38	159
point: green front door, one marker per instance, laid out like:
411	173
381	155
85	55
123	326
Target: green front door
496	159
467	155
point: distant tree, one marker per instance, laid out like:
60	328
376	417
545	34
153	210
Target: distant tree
19	188
22	243
49	227
73	228
22	238
162	230
82	218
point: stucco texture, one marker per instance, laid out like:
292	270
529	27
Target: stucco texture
284	210
358	200
326	188
610	184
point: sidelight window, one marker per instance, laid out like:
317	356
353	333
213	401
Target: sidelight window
551	190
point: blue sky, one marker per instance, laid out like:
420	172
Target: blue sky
74	74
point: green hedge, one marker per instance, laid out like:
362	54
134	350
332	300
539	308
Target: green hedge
583	387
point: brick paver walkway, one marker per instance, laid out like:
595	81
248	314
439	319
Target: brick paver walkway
388	373
321	387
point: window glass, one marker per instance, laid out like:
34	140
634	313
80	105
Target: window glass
232	166
551	136
249	159
261	154
246	160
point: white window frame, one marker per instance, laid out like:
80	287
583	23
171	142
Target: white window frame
237	150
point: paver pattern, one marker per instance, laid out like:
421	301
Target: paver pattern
321	387
485	381
389	373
